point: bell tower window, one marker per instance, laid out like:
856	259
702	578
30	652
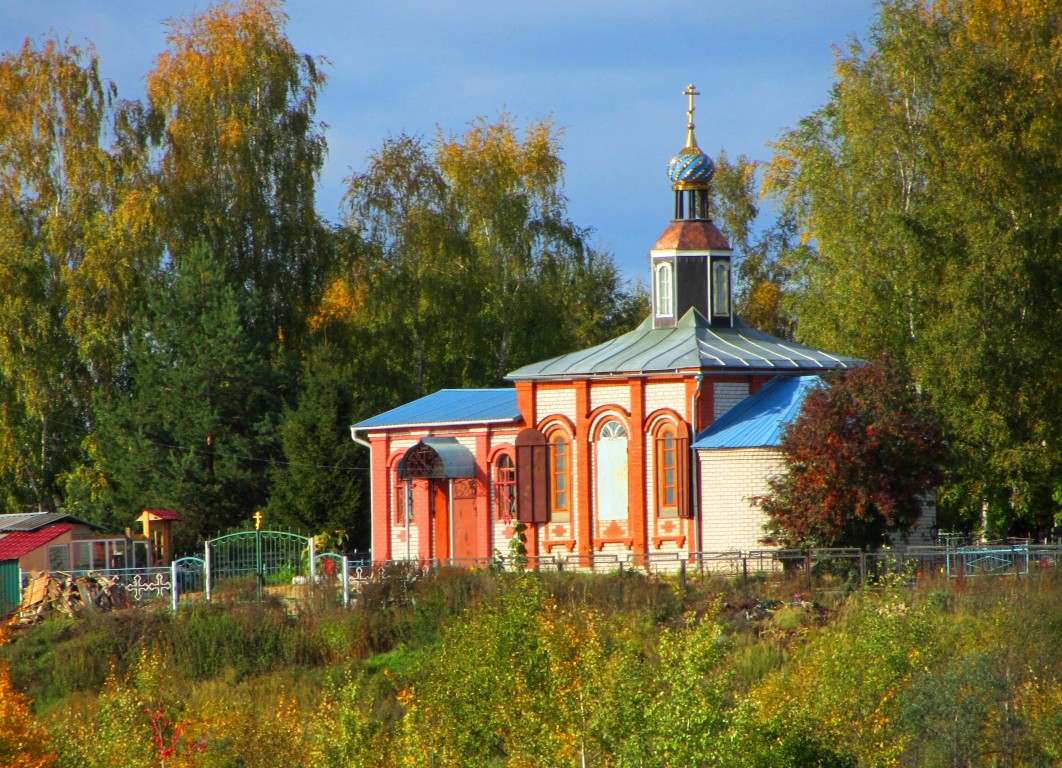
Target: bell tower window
721	288
664	306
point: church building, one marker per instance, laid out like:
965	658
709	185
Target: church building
656	443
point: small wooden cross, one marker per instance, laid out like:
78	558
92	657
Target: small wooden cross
257	519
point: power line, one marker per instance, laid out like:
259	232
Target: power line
253	459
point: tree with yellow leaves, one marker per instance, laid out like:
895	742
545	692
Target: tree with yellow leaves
927	191
233	107
76	210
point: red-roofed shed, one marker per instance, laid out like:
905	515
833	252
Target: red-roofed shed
16	545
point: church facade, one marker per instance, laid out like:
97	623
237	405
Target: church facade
656	443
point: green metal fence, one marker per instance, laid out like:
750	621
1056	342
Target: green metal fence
260	559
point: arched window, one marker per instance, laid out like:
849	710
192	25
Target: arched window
560	477
663	290
505	488
611	472
671	459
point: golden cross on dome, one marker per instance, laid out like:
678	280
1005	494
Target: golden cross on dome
691	143
257	519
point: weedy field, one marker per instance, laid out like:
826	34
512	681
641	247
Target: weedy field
459	668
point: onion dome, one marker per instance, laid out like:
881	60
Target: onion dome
690	168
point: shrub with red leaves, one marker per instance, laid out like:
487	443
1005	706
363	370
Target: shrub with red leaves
864	450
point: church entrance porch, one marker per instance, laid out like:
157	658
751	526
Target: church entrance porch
450	469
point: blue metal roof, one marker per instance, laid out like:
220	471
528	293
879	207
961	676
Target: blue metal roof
758	420
691	345
450	406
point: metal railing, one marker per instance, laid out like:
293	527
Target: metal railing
849	566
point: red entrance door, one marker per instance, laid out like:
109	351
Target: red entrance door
464	513
462	529
440	500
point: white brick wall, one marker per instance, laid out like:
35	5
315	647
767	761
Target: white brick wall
403	443
398	547
549	402
666	396
618	395
924	531
727	395
729	481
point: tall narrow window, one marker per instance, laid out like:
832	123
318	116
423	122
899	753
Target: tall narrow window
505	488
560	477
663	291
666	474
611	471
401	501
671	473
720	288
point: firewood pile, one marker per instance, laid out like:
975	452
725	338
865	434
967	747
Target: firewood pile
70	595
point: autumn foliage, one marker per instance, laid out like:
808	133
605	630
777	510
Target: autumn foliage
860	456
23	743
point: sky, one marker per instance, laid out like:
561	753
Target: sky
609	74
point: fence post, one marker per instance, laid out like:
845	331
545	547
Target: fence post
862	566
173	585
313	563
206	572
346	582
807	566
745	569
682	575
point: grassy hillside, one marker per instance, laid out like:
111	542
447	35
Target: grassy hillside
477	669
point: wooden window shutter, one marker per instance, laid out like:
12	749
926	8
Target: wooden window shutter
682	465
532	477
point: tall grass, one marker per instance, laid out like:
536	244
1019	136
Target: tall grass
897	676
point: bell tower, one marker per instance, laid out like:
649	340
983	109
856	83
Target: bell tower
690	263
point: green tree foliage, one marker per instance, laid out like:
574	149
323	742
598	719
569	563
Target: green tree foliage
192	429
416	275
75	210
233	105
764	257
466	244
316	486
859	458
541	283
928	188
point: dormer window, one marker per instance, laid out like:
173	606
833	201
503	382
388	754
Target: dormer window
721	288
663	291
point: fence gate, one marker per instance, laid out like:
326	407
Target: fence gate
259	560
188	577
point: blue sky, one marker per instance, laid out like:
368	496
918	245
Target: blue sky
610	74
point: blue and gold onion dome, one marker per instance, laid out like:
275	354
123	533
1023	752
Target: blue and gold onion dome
690	166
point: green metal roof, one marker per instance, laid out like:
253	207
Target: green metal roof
692	344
